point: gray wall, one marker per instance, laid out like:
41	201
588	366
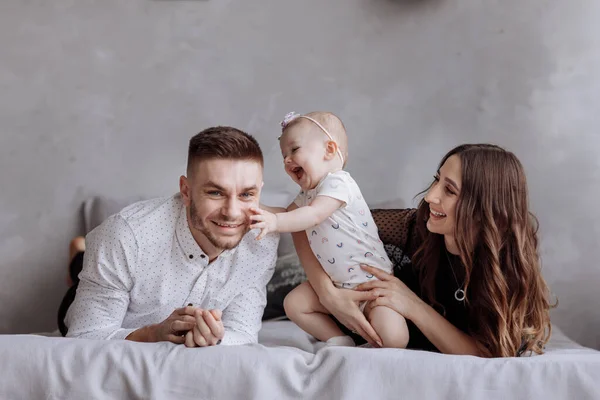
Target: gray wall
100	97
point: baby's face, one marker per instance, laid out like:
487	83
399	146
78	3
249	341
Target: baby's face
303	150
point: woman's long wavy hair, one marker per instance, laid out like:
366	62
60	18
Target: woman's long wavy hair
496	235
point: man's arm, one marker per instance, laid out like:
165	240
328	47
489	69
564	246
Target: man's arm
242	318
103	293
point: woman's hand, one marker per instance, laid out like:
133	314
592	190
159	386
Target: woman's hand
343	305
390	291
393	293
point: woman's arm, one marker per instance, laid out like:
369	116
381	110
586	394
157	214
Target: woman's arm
442	334
393	293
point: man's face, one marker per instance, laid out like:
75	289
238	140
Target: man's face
218	196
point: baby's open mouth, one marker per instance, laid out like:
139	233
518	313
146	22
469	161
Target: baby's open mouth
298	171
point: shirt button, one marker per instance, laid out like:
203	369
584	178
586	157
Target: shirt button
202	256
191	256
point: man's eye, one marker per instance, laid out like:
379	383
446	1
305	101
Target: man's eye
247	195
214	193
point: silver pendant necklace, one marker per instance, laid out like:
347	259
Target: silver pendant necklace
459	295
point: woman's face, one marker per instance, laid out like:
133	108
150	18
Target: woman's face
442	197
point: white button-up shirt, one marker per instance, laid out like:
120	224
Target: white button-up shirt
143	263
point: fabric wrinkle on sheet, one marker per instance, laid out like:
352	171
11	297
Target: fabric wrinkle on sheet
287	363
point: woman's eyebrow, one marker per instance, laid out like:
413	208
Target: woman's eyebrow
451	182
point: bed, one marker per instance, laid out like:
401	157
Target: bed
286	364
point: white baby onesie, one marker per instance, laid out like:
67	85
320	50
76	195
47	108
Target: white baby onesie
349	236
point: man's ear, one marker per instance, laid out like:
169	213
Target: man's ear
331	150
184	189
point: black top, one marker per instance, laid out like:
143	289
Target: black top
397	229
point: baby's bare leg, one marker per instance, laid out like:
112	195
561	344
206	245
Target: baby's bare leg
302	306
389	325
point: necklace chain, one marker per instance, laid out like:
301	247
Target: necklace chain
459	295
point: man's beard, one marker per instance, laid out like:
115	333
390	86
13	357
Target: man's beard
223	244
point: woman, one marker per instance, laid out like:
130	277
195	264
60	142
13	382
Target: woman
474	285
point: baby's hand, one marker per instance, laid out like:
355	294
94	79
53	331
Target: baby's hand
264	220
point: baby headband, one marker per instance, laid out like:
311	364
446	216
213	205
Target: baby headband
291	116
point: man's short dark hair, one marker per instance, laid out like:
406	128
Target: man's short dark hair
223	142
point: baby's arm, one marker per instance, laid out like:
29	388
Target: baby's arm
295	220
273	210
306	217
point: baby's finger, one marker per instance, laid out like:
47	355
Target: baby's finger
256	210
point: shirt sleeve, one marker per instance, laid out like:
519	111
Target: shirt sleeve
242	318
300	200
335	186
102	296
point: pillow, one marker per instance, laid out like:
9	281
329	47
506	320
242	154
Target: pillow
96	209
288	274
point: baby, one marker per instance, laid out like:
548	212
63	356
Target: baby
340	229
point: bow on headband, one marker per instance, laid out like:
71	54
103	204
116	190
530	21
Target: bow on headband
292	116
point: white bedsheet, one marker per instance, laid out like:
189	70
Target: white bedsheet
283	366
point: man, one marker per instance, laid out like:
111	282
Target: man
184	269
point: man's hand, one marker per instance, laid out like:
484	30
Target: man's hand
171	329
208	329
264	220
